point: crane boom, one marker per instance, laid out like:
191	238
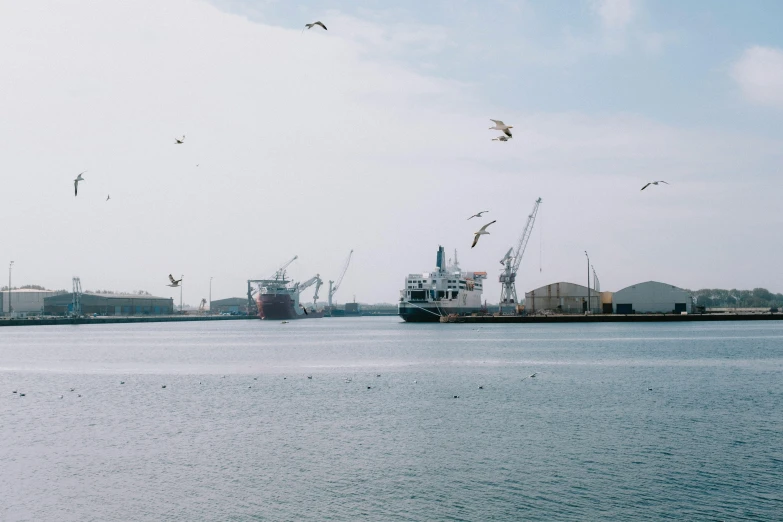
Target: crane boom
511	263
522	245
280	273
333	289
301	287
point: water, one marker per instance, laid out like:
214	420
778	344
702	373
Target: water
241	433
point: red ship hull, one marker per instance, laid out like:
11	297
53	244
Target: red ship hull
281	307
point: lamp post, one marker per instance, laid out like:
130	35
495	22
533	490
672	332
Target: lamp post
210	295
10	308
588	281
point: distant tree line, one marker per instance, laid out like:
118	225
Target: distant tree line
722	298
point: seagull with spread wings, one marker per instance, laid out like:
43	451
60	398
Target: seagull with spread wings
310	26
76	183
481	232
478	214
179	141
499	125
174	282
653	183
501	138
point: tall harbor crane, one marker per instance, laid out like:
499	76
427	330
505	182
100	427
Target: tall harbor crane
511	262
333	289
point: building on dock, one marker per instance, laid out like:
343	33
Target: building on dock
651	297
24	301
109	304
230	305
562	298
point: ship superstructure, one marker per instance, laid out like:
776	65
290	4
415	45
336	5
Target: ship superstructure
448	290
277	297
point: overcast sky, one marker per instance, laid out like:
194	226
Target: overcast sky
373	136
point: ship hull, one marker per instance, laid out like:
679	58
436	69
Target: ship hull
427	313
282	307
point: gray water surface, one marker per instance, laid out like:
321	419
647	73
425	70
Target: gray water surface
621	421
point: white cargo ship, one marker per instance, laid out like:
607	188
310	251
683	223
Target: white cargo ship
448	290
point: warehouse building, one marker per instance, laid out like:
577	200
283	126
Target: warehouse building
230	305
651	298
25	301
562	298
110	304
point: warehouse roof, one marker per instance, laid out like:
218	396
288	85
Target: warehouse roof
118	296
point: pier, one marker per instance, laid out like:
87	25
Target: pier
611	318
50	321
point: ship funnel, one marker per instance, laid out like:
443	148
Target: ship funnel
441	258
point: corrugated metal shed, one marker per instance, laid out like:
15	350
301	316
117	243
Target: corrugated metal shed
562	297
651	297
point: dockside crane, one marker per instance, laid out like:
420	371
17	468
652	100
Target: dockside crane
315	280
333	289
511	262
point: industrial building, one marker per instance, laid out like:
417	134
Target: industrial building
109	304
229	305
24	301
651	297
565	298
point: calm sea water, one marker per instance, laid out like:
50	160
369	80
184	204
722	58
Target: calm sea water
621	422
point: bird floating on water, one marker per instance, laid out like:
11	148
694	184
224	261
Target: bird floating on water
654	183
76	183
163	386
179	141
310	26
478	214
481	232
174	282
499	125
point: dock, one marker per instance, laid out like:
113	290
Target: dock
611	318
50	321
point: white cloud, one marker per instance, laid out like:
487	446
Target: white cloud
308	144
759	73
614	14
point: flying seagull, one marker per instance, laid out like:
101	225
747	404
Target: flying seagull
174	282
108	197
501	138
179	141
653	183
310	26
303	309
499	125
76	183
481	232
478	214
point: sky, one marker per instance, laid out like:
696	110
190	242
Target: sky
373	136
